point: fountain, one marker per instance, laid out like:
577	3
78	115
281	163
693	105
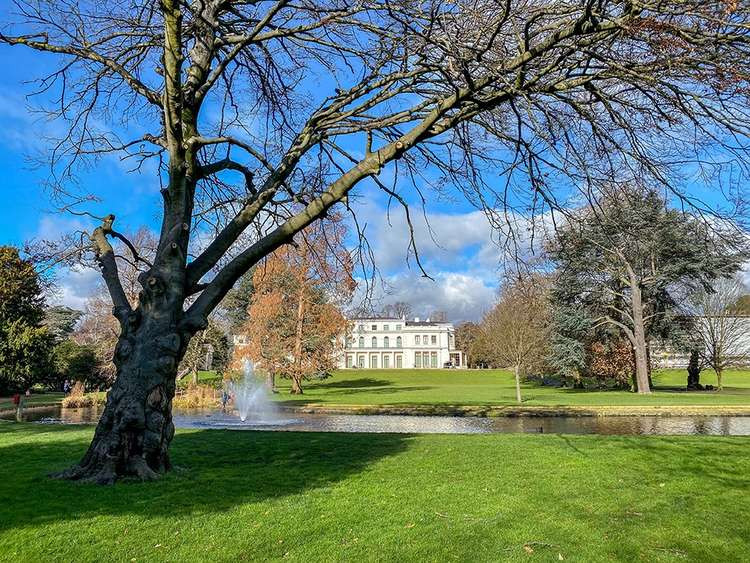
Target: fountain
250	396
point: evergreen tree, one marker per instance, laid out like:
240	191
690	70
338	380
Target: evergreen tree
61	321
25	344
237	301
623	264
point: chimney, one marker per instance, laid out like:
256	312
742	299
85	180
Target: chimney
416	319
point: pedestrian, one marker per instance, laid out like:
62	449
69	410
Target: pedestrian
66	387
224	400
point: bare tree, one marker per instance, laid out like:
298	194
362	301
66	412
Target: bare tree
516	332
303	101
398	310
721	333
439	316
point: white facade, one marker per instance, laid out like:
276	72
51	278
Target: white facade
386	343
734	334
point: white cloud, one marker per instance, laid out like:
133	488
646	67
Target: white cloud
440	238
462	296
74	286
463	252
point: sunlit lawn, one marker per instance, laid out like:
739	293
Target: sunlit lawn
496	387
480	387
383	497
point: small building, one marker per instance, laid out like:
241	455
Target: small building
385	343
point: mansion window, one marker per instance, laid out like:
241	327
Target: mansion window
349	361
374	342
361	341
360	328
417	360
374	327
433	339
374	361
361	361
386	343
386	361
386	327
433	359
399	362
398	327
398	342
417	339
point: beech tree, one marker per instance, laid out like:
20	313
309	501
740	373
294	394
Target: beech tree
302	101
630	259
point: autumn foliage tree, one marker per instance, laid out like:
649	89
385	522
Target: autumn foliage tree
295	327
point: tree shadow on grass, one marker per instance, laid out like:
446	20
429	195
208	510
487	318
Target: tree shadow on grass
354	383
717	461
219	469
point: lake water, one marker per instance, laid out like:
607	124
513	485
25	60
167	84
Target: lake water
289	421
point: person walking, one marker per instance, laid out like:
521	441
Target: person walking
224	400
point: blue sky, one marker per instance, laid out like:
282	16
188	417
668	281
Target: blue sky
457	249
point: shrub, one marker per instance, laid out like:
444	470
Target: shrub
196	397
82	400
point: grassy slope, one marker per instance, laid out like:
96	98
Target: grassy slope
358	497
496	387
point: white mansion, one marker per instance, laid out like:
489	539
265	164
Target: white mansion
397	343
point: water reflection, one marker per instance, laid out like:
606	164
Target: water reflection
613	425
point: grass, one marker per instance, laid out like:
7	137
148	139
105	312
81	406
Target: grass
496	387
50	398
387	497
480	388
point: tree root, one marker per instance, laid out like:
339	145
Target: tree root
106	473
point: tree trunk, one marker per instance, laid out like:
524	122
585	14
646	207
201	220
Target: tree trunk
134	432
719	373
271	381
639	342
297	375
517	372
694	372
296	385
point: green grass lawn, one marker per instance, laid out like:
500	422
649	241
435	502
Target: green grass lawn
43	399
496	387
480	387
387	497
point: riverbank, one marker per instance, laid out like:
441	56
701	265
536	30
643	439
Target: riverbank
40	400
344	497
520	411
491	393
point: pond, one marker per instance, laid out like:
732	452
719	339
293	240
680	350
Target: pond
305	422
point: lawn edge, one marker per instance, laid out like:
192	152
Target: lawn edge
520	411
